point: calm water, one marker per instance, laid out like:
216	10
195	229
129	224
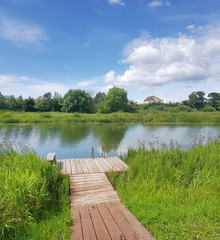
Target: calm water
77	140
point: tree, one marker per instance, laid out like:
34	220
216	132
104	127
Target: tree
20	103
77	101
214	99
197	100
45	104
57	102
29	105
12	103
116	100
98	101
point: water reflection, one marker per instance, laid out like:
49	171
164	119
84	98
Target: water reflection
110	135
76	140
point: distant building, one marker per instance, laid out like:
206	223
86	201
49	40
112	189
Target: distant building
39	98
153	99
5	97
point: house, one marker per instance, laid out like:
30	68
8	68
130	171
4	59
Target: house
5	98
153	99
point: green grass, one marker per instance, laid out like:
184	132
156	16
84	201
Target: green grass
34	197
150	115
175	194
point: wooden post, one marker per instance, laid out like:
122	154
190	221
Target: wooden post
51	157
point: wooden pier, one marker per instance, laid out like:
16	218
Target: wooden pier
95	206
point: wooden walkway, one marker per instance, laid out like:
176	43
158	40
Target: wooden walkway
95	206
92	165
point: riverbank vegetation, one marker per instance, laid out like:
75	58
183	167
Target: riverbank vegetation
150	115
33	197
175	194
115	100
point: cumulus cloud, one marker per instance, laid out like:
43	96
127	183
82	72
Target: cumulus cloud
116	2
21	33
85	83
157	3
158	61
26	86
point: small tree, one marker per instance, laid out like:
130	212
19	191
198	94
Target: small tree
116	100
77	101
197	100
214	99
29	105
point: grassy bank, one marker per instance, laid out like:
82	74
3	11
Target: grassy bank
174	193
33	198
145	116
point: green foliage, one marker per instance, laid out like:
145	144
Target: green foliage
174	193
149	115
197	100
214	100
184	108
116	100
77	101
29	105
33	195
208	109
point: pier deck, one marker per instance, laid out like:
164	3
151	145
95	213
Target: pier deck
95	206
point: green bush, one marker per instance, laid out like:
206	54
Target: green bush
174	193
208	109
184	108
32	190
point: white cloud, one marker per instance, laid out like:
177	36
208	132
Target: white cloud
21	33
26	86
158	61
190	27
85	83
157	3
116	2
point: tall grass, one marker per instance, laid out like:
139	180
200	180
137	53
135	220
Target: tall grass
174	193
149	115
33	197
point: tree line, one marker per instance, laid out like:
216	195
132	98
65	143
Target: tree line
115	100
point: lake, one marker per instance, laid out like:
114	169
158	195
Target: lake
77	140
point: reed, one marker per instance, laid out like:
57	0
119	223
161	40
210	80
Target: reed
149	115
174	193
33	197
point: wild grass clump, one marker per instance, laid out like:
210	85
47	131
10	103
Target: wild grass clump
33	197
174	193
160	115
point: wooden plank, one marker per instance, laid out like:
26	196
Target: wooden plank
87	226
88	165
117	166
85	175
113	166
94	198
84	167
73	166
78	166
76	230
121	162
99	226
68	167
123	225
134	223
98	164
94	167
110	224
109	167
92	187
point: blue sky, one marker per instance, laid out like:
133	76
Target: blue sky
148	47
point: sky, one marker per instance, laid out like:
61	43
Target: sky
162	48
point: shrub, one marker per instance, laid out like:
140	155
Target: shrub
208	109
